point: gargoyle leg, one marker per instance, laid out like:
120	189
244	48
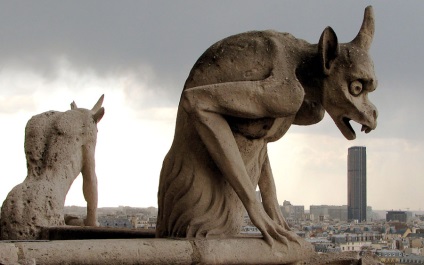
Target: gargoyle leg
90	186
208	104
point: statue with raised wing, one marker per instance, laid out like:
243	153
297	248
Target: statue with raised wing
243	92
58	147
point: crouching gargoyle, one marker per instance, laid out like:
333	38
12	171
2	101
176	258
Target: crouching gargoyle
58	146
243	92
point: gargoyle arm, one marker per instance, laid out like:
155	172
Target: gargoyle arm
269	199
247	99
272	97
269	195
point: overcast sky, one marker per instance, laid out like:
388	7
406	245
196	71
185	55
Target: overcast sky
139	53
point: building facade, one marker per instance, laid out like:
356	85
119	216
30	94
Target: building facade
338	212
329	212
357	184
399	216
292	213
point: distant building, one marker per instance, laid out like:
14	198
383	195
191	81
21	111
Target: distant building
308	217
355	245
357	184
400	216
319	210
390	256
338	212
420	216
370	215
322	212
115	221
258	196
411	259
299	211
292	212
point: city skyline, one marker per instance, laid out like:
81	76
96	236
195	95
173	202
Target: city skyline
139	53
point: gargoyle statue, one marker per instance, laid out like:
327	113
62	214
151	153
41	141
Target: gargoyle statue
243	92
58	146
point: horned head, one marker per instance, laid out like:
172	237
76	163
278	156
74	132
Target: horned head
97	111
349	77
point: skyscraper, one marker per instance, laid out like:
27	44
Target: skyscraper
357	183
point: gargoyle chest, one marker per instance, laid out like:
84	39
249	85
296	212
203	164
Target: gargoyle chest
270	129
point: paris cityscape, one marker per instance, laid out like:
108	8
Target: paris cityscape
395	236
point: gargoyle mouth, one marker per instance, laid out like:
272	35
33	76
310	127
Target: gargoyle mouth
348	131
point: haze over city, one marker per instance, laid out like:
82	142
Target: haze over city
139	53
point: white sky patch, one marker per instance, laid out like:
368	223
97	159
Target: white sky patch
16	103
12	155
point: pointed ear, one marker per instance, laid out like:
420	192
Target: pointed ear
73	105
99	115
328	49
98	104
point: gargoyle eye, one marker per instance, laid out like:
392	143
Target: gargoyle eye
355	88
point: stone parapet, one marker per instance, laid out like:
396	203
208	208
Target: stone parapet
151	251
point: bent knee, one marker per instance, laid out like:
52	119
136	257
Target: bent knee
187	102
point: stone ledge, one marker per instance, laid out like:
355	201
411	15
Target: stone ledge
88	232
151	251
8	253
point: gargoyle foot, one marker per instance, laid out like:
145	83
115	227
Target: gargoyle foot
88	222
279	234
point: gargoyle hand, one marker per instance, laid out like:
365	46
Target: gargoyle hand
271	229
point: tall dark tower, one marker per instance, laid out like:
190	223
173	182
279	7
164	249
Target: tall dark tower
357	183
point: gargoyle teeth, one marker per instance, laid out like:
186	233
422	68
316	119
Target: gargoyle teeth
366	129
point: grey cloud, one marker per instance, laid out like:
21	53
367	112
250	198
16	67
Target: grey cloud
170	36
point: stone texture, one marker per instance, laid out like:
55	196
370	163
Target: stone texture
250	251
58	146
169	251
89	232
8	253
104	252
243	92
156	251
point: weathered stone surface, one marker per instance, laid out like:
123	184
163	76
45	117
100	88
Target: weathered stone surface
113	251
89	232
158	251
8	253
170	251
250	251
58	146
243	92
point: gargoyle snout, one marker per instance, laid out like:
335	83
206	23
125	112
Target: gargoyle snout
370	121
375	115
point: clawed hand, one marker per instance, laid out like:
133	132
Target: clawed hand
273	230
